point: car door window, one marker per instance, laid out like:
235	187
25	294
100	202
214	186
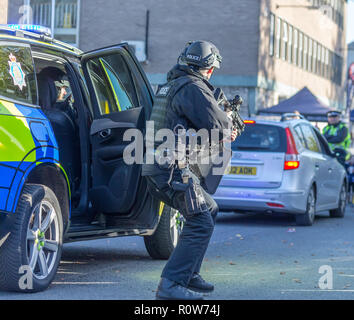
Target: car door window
322	147
310	138
17	76
113	83
323	144
300	136
142	90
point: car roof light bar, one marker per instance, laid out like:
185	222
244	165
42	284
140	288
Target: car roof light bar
31	28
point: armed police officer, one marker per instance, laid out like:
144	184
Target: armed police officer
187	101
337	134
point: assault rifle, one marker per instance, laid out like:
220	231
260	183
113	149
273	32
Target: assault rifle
234	106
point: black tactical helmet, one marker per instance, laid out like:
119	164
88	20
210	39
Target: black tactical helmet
201	53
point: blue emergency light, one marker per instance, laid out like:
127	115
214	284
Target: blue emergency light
30	27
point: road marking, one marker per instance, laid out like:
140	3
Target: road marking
336	259
296	268
74	262
69	272
85	283
316	290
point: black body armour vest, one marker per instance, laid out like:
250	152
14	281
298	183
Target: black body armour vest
163	116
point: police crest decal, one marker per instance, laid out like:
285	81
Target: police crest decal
16	72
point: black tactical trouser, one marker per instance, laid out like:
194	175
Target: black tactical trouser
187	257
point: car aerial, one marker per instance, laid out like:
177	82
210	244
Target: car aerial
63	115
283	166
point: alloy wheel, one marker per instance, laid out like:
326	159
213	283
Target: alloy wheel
311	205
343	198
42	239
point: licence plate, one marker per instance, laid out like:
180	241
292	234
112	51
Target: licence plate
247	171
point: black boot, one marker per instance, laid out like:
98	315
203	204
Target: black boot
197	283
170	290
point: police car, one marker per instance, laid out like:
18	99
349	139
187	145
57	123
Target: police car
63	115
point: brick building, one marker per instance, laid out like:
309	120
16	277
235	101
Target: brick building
270	48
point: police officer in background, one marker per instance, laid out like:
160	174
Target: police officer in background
337	134
187	101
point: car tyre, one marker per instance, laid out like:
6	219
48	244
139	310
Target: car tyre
308	218
163	241
340	211
30	256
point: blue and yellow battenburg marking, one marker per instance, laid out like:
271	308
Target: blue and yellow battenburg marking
26	141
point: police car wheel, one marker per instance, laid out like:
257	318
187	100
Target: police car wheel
161	244
30	256
339	212
308	218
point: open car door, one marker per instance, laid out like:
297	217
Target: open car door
122	99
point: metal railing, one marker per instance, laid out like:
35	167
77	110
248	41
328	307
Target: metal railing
65	14
42	14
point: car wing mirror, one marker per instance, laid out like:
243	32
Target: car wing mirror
334	154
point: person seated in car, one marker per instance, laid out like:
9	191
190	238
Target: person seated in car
54	91
49	79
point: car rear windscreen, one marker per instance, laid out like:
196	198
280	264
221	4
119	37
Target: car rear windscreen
261	138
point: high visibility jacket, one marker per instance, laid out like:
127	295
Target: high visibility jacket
338	136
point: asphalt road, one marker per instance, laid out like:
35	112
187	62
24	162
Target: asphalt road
251	256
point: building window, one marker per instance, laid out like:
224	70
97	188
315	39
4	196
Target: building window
309	64
300	64
335	17
284	46
331	67
337	80
290	45
319	59
337	11
338	67
336	71
305	52
340	13
323	62
330	11
314	57
271	38
295	46
277	36
62	16
327	64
